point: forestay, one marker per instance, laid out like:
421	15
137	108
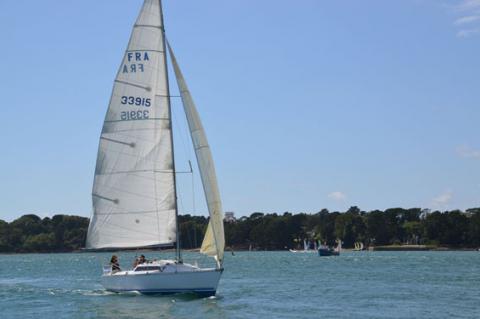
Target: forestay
133	191
214	240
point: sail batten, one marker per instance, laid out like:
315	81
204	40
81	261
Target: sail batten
214	241
135	149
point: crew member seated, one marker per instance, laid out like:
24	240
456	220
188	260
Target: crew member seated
138	261
115	264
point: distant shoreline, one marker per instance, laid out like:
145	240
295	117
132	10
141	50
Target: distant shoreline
394	229
394	248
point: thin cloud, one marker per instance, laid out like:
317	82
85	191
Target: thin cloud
468	33
467	5
468	21
442	200
468	152
338	196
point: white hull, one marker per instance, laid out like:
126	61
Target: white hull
302	251
172	278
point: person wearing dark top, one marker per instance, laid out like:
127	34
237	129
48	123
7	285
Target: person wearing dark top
114	263
138	261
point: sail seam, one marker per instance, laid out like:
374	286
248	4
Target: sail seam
146	50
116	141
147	88
135	213
147	26
128	229
149	119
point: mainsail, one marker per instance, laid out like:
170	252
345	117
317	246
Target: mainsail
133	194
214	240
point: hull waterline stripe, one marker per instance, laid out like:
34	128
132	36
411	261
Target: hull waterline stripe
171	290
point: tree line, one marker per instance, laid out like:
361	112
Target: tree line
394	226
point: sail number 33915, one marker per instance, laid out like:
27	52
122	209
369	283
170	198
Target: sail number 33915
132	100
134	115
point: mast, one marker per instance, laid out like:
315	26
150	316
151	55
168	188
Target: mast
177	233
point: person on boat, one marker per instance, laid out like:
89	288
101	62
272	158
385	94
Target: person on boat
139	260
135	262
115	264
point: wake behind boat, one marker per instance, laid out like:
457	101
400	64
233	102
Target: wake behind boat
134	191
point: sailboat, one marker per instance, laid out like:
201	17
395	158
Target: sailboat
358	246
134	190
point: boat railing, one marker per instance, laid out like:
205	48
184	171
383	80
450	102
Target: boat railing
107	269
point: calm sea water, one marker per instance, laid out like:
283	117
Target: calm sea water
255	285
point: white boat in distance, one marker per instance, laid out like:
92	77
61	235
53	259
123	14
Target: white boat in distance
306	247
358	246
134	190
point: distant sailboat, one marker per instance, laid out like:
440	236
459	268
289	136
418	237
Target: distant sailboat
134	190
358	246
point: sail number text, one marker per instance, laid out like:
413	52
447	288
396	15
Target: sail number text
136	101
134	115
135	62
132	100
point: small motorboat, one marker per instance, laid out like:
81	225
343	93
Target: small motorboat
324	250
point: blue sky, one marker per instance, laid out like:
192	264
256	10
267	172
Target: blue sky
307	104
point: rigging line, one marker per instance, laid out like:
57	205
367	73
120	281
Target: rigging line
147	88
163	95
181	134
182	208
169	107
193	191
184	132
